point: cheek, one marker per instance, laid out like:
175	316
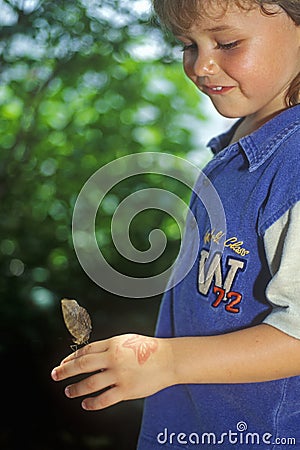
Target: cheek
248	69
188	65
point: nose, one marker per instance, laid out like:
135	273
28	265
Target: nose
205	65
200	63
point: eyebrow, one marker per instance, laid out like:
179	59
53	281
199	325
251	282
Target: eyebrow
220	28
216	29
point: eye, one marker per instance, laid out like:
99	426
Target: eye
229	46
189	47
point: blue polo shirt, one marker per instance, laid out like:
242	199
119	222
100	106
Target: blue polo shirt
257	180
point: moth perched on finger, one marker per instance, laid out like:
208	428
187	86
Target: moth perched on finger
77	321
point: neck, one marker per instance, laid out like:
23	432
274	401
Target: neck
250	124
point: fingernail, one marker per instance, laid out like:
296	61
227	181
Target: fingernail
67	392
54	375
84	405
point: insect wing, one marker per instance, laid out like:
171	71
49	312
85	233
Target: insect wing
85	324
77	320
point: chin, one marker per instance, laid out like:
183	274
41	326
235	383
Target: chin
229	114
227	111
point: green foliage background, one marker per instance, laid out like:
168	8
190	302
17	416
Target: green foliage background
82	83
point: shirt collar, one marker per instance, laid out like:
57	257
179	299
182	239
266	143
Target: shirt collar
262	143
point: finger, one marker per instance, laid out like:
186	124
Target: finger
89	385
102	401
83	364
93	347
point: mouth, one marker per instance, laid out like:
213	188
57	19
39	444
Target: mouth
216	90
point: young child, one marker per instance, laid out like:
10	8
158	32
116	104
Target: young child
223	370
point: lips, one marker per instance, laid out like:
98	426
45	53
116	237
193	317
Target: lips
216	90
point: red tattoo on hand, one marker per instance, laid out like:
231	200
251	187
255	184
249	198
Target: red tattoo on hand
143	347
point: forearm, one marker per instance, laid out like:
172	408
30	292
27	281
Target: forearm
257	354
134	366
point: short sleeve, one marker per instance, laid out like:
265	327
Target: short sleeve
282	247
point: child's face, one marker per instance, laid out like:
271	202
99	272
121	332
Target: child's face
244	61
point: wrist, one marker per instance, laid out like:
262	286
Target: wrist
175	360
167	366
187	352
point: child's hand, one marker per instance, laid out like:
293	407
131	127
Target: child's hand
131	366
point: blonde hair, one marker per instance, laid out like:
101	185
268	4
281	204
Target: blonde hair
179	15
